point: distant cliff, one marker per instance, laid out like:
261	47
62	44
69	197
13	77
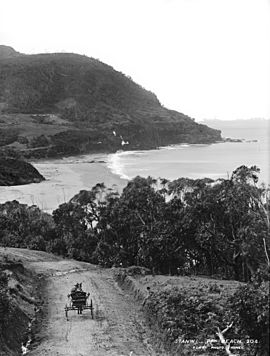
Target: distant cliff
7	52
60	104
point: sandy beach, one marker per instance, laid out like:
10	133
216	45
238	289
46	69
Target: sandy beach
67	176
64	178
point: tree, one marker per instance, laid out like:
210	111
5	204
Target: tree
129	224
24	226
227	223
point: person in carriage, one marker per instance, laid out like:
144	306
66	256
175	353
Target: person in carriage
78	297
77	287
78	300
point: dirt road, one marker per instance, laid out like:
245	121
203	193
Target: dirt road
118	327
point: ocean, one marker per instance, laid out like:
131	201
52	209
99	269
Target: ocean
217	160
66	177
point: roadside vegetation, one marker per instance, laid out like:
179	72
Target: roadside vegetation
219	229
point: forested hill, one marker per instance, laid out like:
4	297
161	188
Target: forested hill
67	103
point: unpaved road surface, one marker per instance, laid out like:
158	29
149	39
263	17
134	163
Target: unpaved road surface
118	327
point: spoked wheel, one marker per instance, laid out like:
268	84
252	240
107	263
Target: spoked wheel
91	305
66	311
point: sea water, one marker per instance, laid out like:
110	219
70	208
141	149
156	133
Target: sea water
66	177
217	160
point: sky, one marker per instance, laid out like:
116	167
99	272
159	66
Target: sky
209	59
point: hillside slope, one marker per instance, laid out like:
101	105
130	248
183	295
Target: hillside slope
66	103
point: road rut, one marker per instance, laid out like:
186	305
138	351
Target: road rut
118	327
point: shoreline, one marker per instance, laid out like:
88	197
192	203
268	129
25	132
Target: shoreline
64	178
196	161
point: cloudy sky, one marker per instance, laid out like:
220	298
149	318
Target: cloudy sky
205	58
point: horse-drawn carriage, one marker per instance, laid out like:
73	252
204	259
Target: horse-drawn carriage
78	300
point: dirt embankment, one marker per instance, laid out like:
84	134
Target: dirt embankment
184	311
118	327
20	305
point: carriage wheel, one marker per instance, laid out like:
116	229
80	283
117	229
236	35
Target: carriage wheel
91	305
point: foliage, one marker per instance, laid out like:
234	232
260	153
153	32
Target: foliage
188	319
218	228
72	238
250	304
197	226
39	141
24	226
180	227
186	226
132	224
8	136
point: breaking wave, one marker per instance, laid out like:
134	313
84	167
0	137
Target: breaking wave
116	165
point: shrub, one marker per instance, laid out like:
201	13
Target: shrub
251	305
137	270
189	317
